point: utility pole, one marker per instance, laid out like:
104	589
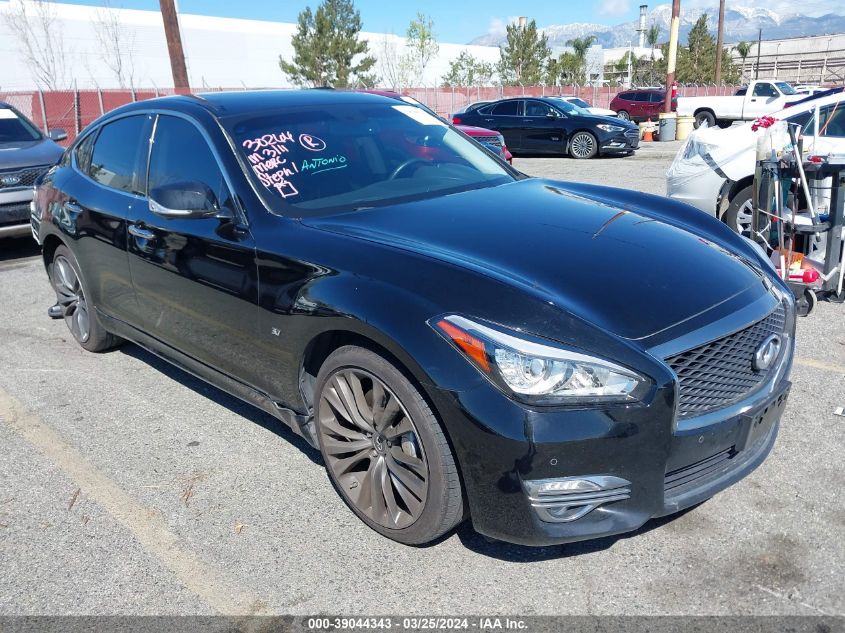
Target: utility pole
759	43
672	60
174	44
720	40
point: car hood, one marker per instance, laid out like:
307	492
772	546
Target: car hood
18	154
595	119
631	273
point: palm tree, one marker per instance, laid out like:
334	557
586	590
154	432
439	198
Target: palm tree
743	49
580	46
651	36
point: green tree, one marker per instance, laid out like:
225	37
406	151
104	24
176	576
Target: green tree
467	70
523	59
421	45
567	69
327	48
697	60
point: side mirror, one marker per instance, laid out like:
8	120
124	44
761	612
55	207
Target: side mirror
551	114
56	134
190	199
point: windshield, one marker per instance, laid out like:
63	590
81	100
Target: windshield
579	102
15	128
319	159
785	88
568	107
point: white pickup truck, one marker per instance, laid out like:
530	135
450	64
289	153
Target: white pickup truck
762	96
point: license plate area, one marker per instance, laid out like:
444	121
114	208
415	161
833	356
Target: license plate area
757	424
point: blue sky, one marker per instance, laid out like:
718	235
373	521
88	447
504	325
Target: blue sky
453	21
459	22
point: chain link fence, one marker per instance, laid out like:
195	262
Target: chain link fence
72	110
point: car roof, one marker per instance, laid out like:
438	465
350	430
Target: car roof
228	104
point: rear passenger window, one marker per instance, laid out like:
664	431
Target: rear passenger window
655	97
507	108
117	158
640	96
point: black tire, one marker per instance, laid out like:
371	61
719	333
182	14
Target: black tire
705	116
737	216
724	124
78	312
583	145
441	506
623	114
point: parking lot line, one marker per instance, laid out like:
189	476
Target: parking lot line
818	364
212	585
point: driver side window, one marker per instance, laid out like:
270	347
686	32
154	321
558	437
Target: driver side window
764	90
181	154
536	108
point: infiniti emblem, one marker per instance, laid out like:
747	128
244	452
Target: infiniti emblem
766	353
10	180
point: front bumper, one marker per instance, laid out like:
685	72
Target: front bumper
546	476
15	212
626	141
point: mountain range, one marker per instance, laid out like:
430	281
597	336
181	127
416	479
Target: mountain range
741	23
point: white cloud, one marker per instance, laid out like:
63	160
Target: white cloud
614	7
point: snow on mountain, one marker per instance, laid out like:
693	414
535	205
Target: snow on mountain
741	23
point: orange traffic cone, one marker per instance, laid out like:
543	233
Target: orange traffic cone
648	133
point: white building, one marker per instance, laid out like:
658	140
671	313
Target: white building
220	52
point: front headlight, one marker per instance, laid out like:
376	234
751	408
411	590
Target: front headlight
607	127
537	372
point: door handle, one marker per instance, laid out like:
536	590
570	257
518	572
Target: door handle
140	232
72	207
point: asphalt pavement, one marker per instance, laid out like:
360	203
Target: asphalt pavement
130	487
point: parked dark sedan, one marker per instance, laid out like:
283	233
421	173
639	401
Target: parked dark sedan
550	125
556	361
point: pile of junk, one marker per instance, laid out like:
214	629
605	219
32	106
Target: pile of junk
798	203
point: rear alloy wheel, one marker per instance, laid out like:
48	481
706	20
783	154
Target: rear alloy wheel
74	305
384	449
583	145
622	114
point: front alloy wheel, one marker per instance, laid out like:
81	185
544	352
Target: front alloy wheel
583	145
373	448
384	450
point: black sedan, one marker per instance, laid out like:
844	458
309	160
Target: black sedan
557	362
549	125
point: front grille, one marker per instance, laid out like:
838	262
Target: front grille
14	213
489	140
17	178
720	373
678	481
632	133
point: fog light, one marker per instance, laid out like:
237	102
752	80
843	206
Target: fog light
570	498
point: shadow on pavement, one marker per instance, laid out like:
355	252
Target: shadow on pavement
18	248
218	396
